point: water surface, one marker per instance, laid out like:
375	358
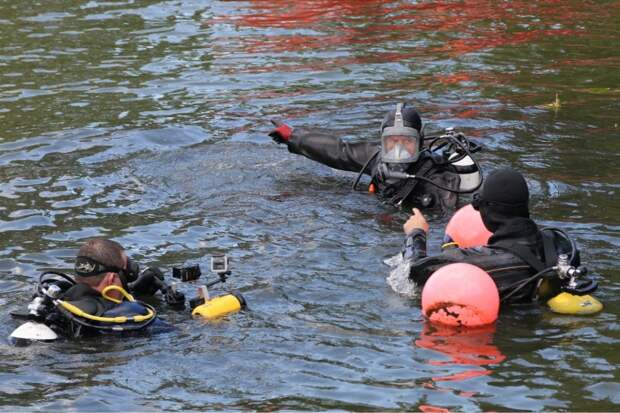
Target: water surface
146	121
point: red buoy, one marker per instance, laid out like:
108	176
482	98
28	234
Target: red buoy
460	295
466	228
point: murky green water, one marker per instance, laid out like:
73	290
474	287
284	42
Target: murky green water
146	121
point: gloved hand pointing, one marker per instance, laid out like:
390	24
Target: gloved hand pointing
282	133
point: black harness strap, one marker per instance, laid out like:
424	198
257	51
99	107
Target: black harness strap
410	185
551	254
549	251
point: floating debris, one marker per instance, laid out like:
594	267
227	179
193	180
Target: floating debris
554	105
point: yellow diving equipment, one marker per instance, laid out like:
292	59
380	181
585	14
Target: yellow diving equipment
220	306
566	303
121	290
212	308
118	321
574	299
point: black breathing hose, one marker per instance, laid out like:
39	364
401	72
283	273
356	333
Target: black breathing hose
521	284
359	175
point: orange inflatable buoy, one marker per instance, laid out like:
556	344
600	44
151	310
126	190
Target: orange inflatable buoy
466	229
460	295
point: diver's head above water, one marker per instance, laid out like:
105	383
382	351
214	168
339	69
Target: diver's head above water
400	135
503	196
102	262
410	117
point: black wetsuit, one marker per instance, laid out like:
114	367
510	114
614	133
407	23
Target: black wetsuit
88	299
354	155
92	302
515	244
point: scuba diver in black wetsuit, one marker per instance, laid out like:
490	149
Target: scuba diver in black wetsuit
98	299
404	166
525	262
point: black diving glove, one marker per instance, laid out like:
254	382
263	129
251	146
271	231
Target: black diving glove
148	283
174	299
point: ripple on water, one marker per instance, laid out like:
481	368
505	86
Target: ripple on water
146	122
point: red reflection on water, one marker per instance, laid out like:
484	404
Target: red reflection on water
469	113
607	62
470	347
450	79
302	14
448	27
462	46
427	408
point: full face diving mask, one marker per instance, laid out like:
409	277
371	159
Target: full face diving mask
400	144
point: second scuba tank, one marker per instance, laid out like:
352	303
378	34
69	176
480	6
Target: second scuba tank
468	172
458	155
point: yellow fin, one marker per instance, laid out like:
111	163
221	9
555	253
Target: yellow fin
565	303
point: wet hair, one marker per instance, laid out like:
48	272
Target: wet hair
411	118
107	252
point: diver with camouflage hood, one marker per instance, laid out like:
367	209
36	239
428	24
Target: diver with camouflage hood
404	166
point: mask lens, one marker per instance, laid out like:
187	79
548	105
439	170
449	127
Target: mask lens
400	149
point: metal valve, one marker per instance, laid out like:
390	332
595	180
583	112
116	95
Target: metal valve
566	270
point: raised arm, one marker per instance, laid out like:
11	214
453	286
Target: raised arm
325	148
